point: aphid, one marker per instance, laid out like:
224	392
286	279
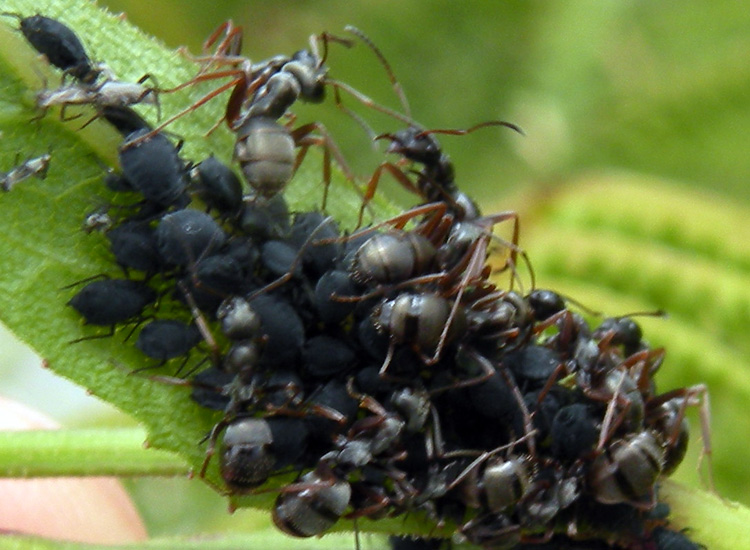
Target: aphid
217	185
134	246
36	167
59	44
209	388
166	339
110	93
214	276
324	356
98	220
531	363
316	238
124	119
153	168
334	283
184	236
280	259
574	432
313	504
332	396
112	301
281	328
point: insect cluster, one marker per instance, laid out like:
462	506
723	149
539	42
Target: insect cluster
383	367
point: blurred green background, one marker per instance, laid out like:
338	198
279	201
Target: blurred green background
648	102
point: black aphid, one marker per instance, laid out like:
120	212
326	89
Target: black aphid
217	185
185	236
134	247
166	339
153	168
59	44
112	301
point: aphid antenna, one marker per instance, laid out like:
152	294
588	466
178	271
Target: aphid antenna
12	14
86	280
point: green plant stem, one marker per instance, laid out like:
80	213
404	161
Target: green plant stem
89	452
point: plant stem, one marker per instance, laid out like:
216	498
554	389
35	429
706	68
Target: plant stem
84	452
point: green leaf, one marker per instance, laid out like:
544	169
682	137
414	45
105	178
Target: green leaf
44	249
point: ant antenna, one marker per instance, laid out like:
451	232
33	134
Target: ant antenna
462	132
387	66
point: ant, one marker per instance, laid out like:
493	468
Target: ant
261	94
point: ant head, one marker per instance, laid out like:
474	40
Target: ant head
414	144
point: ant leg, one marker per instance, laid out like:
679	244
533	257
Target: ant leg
369	102
212	438
483	457
372	185
303	137
239	83
293	267
200	322
697	395
477	257
608	424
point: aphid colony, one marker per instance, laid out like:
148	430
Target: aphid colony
383	366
